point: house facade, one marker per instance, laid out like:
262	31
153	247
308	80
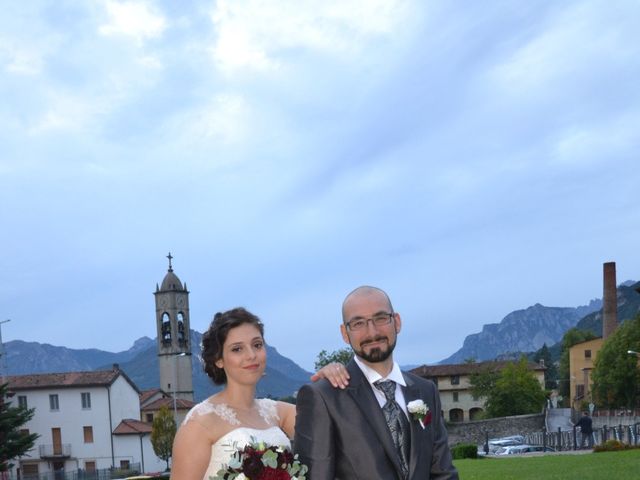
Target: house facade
581	363
151	401
454	384
79	417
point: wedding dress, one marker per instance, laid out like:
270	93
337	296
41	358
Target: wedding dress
240	436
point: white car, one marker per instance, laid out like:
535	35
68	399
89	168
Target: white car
496	444
520	449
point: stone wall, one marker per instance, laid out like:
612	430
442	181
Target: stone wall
474	432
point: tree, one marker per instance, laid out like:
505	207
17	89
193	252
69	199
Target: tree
616	376
162	434
483	382
551	372
13	441
516	392
344	355
572	337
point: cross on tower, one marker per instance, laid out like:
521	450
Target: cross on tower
170	257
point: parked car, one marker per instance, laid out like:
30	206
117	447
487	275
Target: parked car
496	444
506	441
520	449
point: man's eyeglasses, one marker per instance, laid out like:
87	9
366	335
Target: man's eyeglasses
379	320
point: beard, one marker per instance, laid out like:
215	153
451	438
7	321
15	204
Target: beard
376	354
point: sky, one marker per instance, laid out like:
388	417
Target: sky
470	158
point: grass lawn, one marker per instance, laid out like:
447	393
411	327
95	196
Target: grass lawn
591	466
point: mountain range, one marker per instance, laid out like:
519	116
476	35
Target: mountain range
282	376
524	331
521	331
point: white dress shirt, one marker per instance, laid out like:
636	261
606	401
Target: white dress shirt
396	375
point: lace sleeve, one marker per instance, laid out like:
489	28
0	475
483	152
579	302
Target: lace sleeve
269	411
207	408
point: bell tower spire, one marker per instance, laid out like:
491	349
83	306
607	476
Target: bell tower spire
174	342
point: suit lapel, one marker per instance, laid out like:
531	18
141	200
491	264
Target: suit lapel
360	390
412	392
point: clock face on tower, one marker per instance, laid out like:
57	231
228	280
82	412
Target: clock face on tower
180	301
163	301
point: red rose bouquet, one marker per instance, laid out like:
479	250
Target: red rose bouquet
257	461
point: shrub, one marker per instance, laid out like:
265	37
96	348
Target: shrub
610	446
464	450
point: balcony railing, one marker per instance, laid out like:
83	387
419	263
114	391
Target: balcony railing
62	450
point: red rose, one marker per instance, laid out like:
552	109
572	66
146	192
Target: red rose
285	457
252	466
427	419
274	474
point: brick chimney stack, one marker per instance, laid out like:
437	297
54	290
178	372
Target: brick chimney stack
610	301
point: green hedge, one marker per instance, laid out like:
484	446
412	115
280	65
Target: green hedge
464	450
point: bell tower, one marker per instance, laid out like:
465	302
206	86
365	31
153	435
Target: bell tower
174	340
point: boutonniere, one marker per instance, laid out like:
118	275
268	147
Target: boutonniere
420	412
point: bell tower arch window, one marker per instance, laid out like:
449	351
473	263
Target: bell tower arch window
166	329
182	337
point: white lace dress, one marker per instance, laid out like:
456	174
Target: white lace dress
223	449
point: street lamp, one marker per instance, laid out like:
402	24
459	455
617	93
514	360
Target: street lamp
633	352
175	381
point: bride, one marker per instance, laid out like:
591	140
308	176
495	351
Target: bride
233	353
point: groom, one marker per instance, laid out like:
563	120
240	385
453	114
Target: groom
366	431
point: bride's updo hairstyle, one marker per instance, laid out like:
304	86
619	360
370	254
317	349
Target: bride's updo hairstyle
213	339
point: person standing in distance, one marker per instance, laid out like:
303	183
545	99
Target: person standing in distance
385	424
586	429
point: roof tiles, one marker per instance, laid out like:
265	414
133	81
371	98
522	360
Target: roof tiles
467	368
66	379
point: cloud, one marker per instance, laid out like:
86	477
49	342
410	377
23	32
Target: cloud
138	20
26	41
225	118
259	34
21	61
598	142
565	48
286	151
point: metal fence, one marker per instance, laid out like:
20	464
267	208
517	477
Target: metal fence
101	474
572	439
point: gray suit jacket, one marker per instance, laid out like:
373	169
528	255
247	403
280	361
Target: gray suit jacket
342	434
